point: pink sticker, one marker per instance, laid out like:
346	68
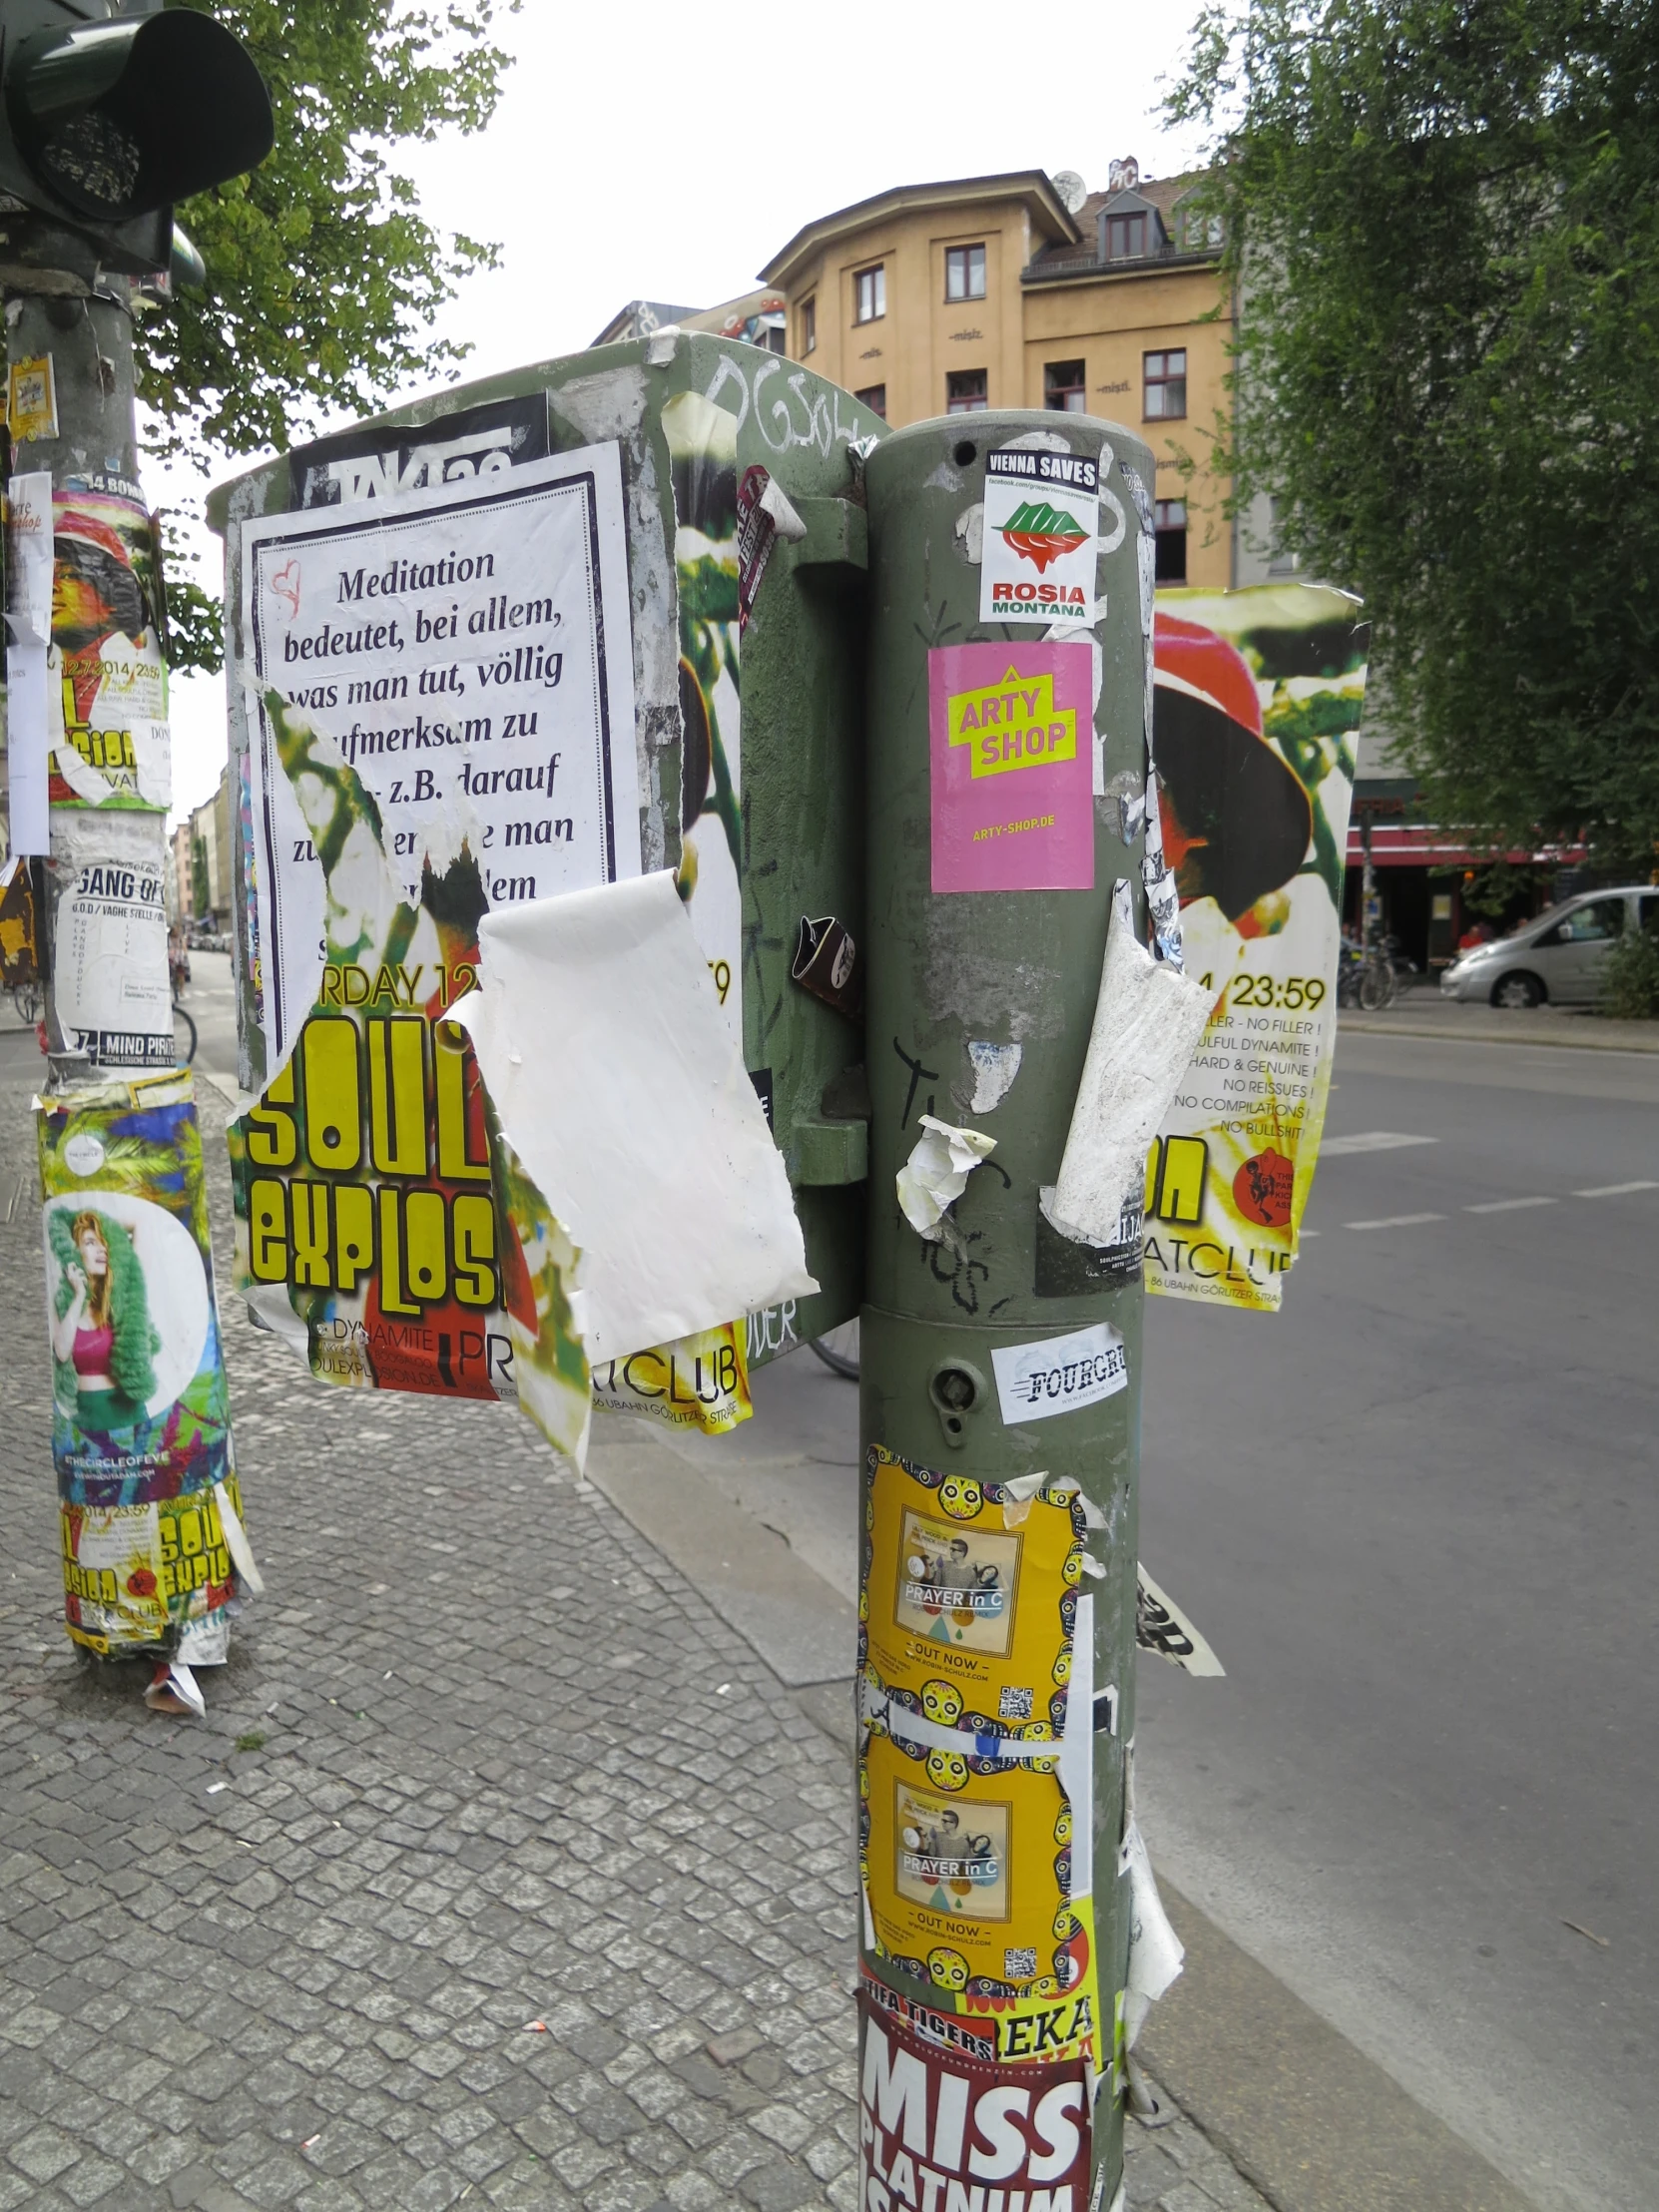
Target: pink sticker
1012	729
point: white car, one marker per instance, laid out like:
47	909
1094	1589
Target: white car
1559	956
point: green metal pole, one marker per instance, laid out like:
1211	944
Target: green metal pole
997	969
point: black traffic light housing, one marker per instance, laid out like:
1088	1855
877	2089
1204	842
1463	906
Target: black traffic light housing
109	114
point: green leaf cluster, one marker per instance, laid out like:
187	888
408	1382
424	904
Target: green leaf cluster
1442	226
323	275
323	278
1631	977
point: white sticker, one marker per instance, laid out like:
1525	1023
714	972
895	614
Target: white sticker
1060	1375
83	1154
1041	531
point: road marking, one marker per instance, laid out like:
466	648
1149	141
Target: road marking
1616	1190
1509	1205
1372	1140
1394	1221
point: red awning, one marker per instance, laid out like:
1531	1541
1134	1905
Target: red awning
1423	846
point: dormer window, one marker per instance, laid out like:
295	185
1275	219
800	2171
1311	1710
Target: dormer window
1125	238
1131	229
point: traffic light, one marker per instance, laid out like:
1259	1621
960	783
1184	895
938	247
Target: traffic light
109	114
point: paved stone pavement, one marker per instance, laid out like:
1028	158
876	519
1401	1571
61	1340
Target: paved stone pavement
481	1758
1173	2168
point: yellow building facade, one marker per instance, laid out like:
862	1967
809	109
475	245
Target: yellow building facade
1025	291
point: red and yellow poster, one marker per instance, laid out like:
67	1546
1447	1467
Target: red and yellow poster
106	666
1257	695
944	2124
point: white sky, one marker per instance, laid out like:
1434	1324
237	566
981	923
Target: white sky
660	151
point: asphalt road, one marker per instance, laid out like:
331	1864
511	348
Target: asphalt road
1418	1517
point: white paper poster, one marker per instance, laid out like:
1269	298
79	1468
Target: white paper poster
1042	523
620	1086
109	953
29	625
469	649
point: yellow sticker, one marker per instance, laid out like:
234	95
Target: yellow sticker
699	1382
33	399
1012	725
971	1594
969	1872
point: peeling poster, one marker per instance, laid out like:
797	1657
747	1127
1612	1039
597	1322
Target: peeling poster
1258	696
468	648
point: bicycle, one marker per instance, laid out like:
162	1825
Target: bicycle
183	1014
1367	980
30	1001
838	1350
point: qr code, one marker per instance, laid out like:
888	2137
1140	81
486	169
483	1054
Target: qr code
1019	1965
1014	1705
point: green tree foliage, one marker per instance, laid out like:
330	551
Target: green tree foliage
322	276
1443	217
1631	977
201	898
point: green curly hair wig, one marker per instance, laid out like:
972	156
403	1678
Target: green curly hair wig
131	1365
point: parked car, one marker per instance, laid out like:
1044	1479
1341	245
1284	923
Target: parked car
1557	956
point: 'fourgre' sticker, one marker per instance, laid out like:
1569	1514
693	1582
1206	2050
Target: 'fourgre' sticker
1059	1374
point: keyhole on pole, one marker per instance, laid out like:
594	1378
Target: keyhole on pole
955	1389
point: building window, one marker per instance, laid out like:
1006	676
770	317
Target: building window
808	328
875	398
1170	523
964	392
965	272
1063	388
1280	562
1126	237
1166	384
869	293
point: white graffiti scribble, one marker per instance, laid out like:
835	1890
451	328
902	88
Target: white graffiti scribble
812	419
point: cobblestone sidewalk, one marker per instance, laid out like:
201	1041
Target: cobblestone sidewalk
481	1759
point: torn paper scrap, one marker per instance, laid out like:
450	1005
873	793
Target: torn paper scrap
1077	1747
1155	1950
235	1537
29	628
173	1689
936	1174
994	1068
1160	1626
1148	1019
618	1083
544	1313
1163	900
827	965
